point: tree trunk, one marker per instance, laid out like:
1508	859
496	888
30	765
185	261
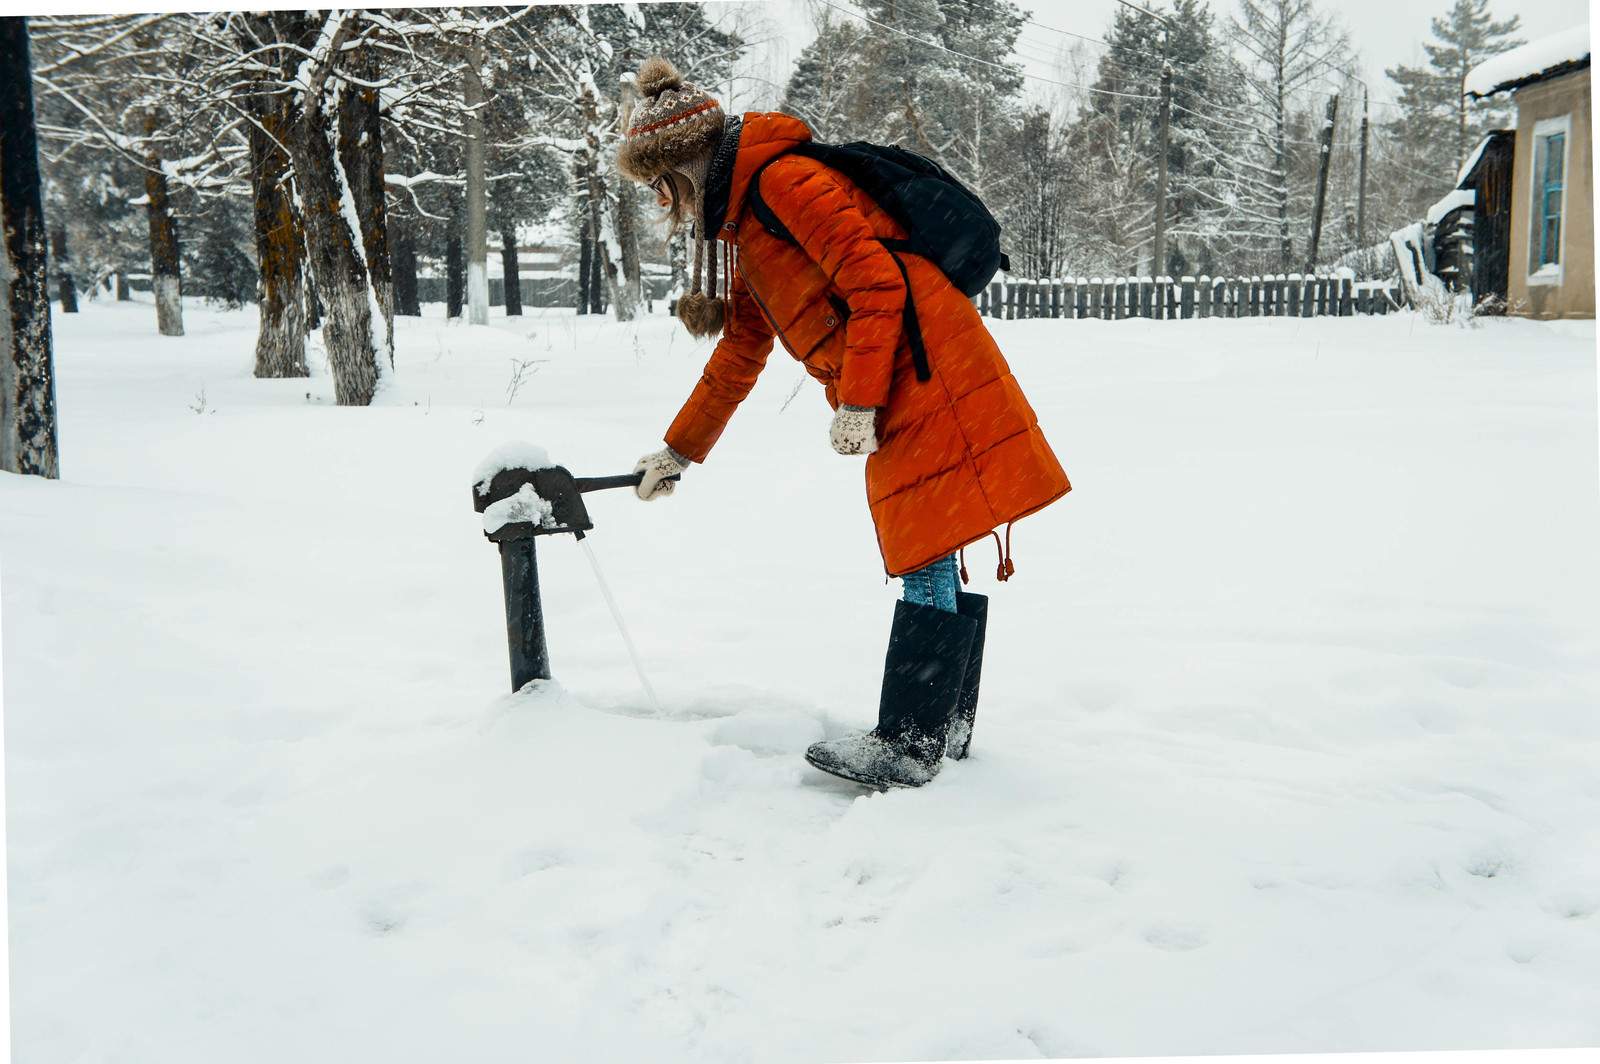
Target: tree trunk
1285	250
455	271
597	287
361	157
585	266
477	194
166	276
628	238
403	267
66	290
281	338
27	368
124	295
598	202
356	352
512	270
678	258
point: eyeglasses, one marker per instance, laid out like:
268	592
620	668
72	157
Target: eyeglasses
662	187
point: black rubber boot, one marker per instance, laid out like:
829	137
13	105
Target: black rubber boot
922	681
960	738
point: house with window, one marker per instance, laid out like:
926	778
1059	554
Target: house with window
1549	250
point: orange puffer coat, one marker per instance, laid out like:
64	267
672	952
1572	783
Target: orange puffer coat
958	455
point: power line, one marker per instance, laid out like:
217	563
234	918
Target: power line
1245	128
1410	169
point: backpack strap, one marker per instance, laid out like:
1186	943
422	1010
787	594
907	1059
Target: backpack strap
774	225
764	214
919	350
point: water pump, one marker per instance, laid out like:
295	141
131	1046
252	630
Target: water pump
522	498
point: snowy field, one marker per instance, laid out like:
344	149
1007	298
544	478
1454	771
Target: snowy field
1290	737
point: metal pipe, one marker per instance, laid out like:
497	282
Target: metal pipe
519	570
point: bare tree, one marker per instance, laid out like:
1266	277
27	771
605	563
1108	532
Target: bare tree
1289	49
27	372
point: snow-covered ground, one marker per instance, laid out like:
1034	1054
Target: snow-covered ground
1290	737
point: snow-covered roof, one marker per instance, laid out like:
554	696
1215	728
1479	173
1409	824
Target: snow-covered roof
1477	154
1520	65
1472	160
1458	197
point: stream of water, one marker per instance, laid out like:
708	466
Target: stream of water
616	614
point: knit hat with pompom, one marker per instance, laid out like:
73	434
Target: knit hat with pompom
675	125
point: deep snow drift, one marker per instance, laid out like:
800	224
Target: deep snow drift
1289	737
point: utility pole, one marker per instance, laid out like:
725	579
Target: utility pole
1361	195
1322	181
1161	171
477	194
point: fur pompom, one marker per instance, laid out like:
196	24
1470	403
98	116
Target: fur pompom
656	76
701	314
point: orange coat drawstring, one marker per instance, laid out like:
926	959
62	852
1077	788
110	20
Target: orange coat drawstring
1004	570
727	273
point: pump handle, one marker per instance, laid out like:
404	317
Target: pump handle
627	480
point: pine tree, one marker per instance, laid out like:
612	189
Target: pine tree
1039	205
1438	123
1120	130
214	258
936	76
820	90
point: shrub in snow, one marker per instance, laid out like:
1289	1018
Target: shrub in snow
215	266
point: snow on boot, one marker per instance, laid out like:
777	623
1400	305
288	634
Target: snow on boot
960	739
928	653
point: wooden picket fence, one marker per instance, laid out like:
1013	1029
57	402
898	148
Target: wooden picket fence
1114	298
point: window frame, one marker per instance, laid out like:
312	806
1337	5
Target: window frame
1543	130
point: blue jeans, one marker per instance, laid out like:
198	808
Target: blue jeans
933	585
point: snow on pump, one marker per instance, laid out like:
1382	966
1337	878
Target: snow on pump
523	496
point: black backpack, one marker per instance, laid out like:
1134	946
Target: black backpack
944	221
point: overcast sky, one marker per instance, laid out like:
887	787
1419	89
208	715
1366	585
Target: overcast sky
1384	32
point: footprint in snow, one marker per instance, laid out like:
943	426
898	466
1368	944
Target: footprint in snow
1573	904
1097	697
1490	864
1176	937
533	859
382	920
332	877
767	733
387	912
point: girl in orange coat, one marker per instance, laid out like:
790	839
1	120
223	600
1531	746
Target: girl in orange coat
949	458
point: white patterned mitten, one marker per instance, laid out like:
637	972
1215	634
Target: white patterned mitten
854	430
657	468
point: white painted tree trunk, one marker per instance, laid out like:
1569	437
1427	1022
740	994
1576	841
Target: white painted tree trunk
165	269
478	292
608	251
169	305
352	318
477	195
